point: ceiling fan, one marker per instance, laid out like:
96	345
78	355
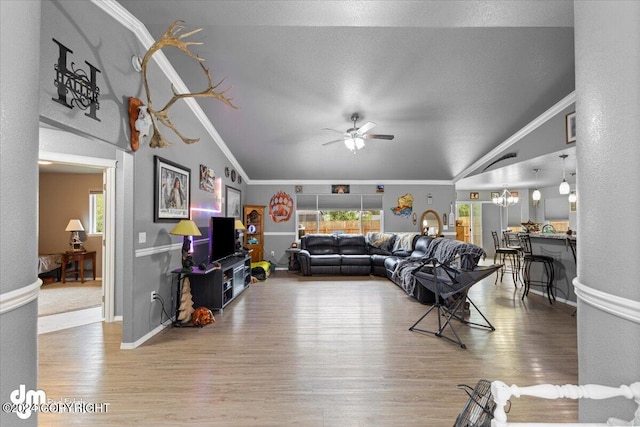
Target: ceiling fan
354	137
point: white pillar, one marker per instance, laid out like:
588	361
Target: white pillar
19	85
607	53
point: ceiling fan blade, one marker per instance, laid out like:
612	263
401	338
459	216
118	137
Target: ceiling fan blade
374	136
341	132
365	128
334	141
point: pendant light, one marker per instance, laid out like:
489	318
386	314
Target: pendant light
536	196
564	185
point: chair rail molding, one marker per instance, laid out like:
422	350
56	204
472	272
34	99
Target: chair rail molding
618	306
18	297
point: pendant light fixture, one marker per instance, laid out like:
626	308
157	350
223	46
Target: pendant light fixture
564	185
536	196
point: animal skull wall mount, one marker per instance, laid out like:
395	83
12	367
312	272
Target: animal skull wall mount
172	37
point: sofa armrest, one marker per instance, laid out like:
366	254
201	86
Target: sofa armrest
305	263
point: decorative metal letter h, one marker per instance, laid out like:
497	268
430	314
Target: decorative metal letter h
77	83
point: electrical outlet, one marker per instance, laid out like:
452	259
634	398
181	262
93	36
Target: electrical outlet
273	253
153	295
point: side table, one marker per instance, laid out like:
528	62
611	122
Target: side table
294	264
78	258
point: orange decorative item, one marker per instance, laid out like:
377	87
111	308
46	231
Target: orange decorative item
280	207
202	316
134	103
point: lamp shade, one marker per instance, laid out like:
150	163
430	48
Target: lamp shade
74	225
239	225
186	227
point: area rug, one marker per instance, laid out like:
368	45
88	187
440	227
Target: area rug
61	297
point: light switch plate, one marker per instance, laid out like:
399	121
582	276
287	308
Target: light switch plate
142	237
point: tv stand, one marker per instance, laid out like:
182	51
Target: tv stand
214	288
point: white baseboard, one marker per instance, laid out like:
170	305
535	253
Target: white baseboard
148	336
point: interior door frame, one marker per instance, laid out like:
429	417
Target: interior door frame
108	236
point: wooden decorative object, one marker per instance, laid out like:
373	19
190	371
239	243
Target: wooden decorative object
134	103
171	38
185	310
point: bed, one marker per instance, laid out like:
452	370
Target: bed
50	267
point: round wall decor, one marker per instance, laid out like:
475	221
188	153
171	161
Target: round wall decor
233	176
226	171
280	207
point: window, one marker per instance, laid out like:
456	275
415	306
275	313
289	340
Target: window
96	212
344	213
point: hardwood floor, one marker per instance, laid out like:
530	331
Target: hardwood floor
314	351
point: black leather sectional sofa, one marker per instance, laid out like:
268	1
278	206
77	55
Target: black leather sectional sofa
355	254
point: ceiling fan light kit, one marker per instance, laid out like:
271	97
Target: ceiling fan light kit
354	137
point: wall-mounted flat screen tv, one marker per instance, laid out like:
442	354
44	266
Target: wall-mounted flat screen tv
222	237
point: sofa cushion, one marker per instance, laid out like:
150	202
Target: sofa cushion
380	243
352	244
319	244
330	259
355	260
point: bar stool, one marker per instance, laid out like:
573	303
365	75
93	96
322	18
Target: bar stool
512	241
529	258
506	253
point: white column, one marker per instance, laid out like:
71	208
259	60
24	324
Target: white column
607	53
19	285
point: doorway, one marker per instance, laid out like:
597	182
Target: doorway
470	219
103	171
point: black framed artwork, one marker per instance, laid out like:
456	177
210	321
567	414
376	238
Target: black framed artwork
233	202
172	191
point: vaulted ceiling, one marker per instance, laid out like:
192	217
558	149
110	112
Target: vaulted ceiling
452	80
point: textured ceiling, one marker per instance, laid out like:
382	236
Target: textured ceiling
451	80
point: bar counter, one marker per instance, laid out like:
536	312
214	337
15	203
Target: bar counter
556	246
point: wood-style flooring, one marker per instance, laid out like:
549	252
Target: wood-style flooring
315	351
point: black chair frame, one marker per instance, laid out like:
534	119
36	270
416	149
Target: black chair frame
504	254
529	258
451	287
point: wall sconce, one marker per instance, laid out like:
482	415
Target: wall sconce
75	226
186	228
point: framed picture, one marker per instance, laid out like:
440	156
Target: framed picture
172	191
570	127
474	196
494	195
340	189
233	201
207	179
573	206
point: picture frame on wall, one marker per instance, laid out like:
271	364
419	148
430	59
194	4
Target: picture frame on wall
207	179
570	127
494	195
233	202
172	191
340	189
474	196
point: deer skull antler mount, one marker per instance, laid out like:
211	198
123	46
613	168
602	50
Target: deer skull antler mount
172	37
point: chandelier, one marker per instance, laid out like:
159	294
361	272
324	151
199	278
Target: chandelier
505	199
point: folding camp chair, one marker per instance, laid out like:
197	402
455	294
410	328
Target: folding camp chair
451	287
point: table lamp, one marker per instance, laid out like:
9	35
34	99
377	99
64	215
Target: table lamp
75	226
186	228
238	226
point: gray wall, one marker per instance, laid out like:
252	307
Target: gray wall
608	129
19	37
